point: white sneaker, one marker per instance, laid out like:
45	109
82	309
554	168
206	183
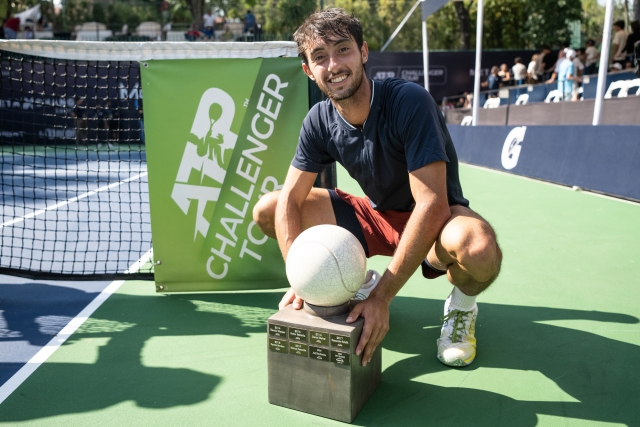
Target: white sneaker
370	282
457	343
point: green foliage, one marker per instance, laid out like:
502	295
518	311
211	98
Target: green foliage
284	16
547	21
98	13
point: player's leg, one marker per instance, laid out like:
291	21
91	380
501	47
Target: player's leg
467	249
316	209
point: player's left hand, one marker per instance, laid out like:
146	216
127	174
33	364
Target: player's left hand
375	313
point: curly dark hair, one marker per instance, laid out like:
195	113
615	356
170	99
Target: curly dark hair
326	24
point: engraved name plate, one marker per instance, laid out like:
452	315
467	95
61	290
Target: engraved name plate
340	341
298	349
318	353
320	338
340	357
277	331
277	345
298	334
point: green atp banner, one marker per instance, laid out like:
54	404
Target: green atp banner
220	133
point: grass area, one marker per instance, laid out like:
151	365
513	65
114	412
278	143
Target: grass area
558	334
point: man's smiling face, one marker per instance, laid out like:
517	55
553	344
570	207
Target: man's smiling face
337	66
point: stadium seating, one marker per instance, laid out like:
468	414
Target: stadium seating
522	99
554	96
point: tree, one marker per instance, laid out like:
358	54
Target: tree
547	21
464	22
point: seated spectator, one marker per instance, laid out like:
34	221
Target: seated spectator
531	70
519	72
227	36
28	33
193	34
468	101
592	57
208	21
494	82
11	28
249	23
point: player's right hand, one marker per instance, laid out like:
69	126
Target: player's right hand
290	298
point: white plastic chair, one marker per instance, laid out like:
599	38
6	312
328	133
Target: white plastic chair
522	99
554	96
466	121
492	103
621	85
634	83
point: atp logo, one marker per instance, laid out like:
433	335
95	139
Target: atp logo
207	155
511	148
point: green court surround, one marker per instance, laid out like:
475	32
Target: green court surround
558	333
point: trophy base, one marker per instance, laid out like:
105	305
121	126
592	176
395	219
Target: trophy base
312	365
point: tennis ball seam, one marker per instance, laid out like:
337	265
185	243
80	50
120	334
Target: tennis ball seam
344	286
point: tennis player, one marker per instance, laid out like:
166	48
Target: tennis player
392	139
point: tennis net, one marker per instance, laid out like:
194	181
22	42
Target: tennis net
74	195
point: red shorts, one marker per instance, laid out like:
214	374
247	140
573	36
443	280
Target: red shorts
378	231
381	229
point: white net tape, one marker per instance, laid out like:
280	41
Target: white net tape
141	51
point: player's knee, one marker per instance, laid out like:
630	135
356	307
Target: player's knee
264	211
474	245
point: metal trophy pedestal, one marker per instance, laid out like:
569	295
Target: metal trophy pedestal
312	363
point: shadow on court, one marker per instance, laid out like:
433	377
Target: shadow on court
596	374
599	375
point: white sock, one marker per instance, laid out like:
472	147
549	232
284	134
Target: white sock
461	301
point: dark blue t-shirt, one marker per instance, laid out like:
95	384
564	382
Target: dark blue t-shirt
405	130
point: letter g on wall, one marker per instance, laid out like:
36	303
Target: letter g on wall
511	148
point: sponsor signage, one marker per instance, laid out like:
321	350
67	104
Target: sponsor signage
602	158
220	134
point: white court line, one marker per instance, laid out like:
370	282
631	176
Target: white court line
73	199
45	352
553	184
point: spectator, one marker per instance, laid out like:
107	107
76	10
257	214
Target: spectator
566	73
28	33
11	28
619	44
592	57
193	34
531	70
541	65
227	35
578	71
209	19
582	55
468	101
556	70
519	72
504	73
494	82
249	23
632	39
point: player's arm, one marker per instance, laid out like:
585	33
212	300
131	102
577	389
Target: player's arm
431	212
288	217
